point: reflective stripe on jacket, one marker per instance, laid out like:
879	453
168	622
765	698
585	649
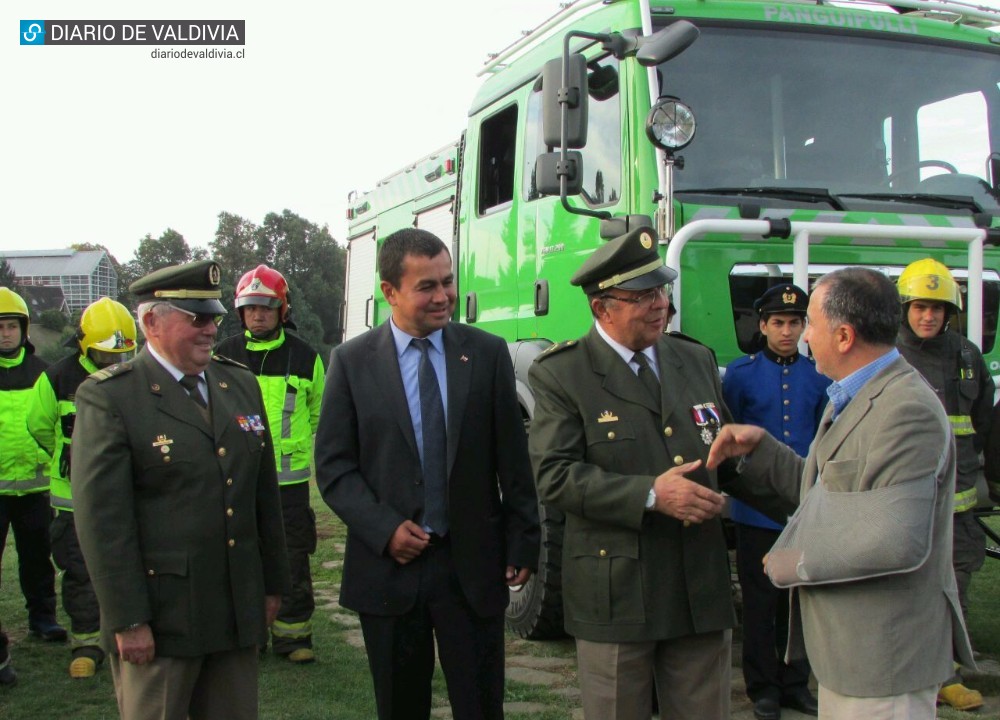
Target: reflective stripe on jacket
955	369
22	462
291	378
51	417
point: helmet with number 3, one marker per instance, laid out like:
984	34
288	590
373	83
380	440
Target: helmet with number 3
928	279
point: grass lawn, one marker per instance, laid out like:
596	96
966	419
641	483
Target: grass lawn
338	685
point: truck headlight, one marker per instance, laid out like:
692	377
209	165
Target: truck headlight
670	124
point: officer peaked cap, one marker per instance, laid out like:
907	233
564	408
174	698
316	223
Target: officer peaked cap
193	286
630	262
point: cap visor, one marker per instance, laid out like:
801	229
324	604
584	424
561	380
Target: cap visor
655	278
209	306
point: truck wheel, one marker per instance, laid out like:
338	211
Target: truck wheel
535	611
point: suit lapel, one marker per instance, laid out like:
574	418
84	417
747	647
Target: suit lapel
828	441
619	378
813	461
458	366
172	399
383	364
220	401
670	367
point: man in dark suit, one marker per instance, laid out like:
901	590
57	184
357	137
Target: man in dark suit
421	451
177	510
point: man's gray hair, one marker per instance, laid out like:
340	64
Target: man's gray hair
157	307
866	300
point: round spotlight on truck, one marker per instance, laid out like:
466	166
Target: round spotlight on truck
670	124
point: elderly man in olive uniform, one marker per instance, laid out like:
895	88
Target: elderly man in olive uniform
178	510
623	421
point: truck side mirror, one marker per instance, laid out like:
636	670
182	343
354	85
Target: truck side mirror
548	169
667	43
573	96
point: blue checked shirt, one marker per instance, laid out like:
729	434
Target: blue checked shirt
843	391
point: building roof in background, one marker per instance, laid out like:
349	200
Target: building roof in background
31	263
43	297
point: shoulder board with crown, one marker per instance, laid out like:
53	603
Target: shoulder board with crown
112	371
557	348
229	361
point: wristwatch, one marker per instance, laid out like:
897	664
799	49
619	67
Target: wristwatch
651	499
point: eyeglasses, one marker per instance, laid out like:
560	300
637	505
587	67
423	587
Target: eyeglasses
200	320
646	299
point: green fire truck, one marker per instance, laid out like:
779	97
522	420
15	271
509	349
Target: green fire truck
761	140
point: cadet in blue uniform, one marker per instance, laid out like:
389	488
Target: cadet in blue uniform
780	390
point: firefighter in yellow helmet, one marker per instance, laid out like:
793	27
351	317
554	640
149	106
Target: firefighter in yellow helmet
106	336
955	368
291	378
24	485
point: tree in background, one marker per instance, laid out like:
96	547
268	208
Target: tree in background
152	254
54	320
308	257
7	275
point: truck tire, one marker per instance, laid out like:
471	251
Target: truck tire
535	611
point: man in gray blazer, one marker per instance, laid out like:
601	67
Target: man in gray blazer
868	552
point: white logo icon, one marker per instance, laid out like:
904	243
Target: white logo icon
33	31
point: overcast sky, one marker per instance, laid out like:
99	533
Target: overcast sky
105	144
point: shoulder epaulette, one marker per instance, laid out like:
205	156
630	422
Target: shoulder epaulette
112	371
229	361
682	336
557	348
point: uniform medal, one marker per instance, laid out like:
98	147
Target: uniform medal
706	417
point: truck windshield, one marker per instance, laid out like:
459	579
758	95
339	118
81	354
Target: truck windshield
851	120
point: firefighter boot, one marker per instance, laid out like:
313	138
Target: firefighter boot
958	696
82	667
301	656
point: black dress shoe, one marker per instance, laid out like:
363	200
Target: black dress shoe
766	709
802	700
7	675
48	630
